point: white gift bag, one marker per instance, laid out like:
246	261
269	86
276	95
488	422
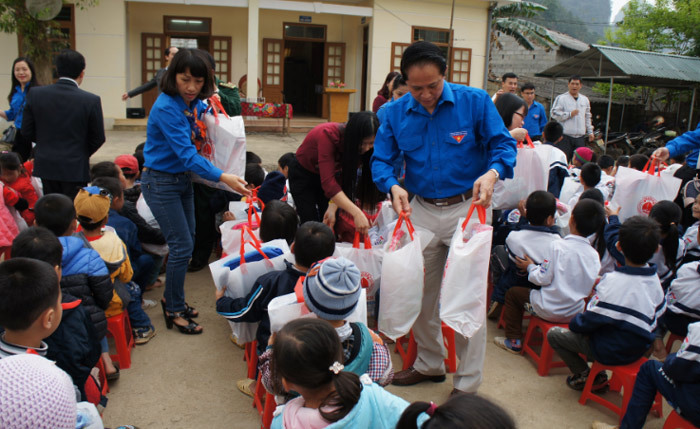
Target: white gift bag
531	173
224	145
403	275
464	281
636	192
238	272
231	230
368	261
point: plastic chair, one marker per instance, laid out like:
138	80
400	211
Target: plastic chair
543	360
266	407
622	380
250	355
675	421
672	339
119	328
409	353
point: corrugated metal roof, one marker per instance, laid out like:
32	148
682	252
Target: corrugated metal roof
569	42
629	66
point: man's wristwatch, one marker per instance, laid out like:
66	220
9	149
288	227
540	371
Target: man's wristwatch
498	176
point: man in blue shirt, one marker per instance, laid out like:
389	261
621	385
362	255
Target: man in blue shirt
455	145
536	117
686	142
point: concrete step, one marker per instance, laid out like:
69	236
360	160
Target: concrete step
255	125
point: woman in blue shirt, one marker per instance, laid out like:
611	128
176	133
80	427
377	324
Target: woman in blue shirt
169	156
23	79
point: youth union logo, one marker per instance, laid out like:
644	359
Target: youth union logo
208	150
645	205
367	280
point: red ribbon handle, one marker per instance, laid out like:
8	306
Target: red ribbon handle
254	241
356	241
528	140
480	211
654	165
299	289
403	217
251	206
216	107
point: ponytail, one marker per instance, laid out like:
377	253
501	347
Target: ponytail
343	400
668	215
599	244
409	418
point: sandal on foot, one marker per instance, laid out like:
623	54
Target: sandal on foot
244	386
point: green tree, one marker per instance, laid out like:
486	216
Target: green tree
511	20
40	38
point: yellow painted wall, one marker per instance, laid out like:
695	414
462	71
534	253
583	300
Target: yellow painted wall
392	22
8	46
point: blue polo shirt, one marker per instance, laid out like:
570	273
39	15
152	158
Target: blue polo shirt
169	147
16	110
446	151
535	120
686	142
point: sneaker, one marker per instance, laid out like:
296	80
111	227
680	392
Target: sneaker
495	310
148	303
578	381
144	335
513	346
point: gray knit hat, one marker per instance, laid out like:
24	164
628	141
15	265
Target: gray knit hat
332	288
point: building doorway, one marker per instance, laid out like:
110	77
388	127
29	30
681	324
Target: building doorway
303	76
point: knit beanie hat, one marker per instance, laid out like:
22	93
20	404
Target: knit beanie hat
92	204
35	393
583	154
332	288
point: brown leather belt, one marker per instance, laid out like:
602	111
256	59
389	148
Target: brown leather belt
444	202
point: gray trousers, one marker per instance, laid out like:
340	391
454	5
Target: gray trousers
569	344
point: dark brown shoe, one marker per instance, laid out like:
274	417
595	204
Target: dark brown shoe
410	376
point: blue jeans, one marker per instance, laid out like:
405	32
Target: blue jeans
171	200
138	318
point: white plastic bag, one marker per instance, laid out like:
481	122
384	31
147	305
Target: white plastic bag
225	144
636	192
531	174
464	281
231	230
381	231
368	261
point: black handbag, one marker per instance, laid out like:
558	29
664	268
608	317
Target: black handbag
9	135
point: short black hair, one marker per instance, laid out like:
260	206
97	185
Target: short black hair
606	161
623	161
552	131
589	217
507	104
194	60
638	161
527	86
27	288
539	206
252	157
508	75
575	77
286	159
10	161
104	169
592	194
590	174
54	212
138	154
254	174
397	82
110	184
639	238
70	63
38	243
421	53
278	220
314	241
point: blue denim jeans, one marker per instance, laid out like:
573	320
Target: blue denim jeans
171	200
138	318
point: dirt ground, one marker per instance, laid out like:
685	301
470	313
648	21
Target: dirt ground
180	381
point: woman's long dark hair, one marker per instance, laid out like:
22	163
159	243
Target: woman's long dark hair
668	215
385	91
359	187
507	104
15	82
464	411
303	352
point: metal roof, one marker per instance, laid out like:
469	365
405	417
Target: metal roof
600	63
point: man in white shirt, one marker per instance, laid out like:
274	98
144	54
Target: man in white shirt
573	111
509	83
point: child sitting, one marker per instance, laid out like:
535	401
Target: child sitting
130	168
283	167
531	239
463	411
307	358
552	136
590	179
690	238
617	328
279	220
677	379
567	275
15	177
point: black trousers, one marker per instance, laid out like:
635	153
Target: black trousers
22	145
69	189
205	224
569	144
308	194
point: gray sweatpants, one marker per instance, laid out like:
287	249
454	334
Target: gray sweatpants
569	344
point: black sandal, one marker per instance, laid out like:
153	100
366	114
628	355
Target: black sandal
189	329
189	312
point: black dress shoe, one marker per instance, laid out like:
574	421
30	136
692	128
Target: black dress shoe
410	376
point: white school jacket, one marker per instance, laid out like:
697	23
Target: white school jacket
691	240
567	277
531	241
683	296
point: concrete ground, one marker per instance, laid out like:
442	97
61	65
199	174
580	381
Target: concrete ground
180	381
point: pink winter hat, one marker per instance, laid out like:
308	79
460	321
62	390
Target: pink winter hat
584	154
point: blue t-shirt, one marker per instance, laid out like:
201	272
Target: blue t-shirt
16	110
535	120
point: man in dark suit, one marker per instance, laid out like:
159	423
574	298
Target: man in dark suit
67	125
155	81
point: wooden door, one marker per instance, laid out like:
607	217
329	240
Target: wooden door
221	51
460	65
152	60
333	68
273	70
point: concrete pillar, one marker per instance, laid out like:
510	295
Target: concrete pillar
253	57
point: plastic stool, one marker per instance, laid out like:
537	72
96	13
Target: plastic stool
543	360
675	421
250	355
266	408
119	328
102	377
672	339
408	354
622	379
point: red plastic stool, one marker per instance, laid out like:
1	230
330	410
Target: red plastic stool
265	407
622	379
250	355
119	328
675	421
408	354
543	360
672	339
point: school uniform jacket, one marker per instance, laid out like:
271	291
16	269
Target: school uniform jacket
690	238
684	369
622	315
533	241
567	276
683	296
